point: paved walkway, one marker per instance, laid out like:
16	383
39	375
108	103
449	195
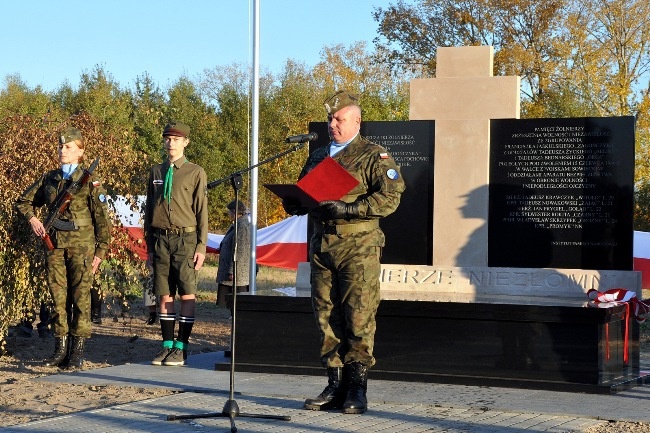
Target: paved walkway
393	406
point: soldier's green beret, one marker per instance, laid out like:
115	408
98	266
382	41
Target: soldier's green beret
69	134
340	99
177	129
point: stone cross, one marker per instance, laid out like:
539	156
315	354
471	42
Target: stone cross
462	99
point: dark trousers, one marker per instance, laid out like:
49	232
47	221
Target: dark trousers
223	291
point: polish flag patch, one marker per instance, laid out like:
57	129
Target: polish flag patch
384	155
96	183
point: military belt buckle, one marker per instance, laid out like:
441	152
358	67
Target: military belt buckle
177	230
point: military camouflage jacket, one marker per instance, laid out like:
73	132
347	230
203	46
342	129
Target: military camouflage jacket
87	209
380	181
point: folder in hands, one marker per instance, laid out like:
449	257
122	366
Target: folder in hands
327	181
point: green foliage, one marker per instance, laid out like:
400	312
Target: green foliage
147	116
17	99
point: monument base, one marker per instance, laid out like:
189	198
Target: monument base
563	348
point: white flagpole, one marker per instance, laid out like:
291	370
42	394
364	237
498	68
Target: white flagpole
254	147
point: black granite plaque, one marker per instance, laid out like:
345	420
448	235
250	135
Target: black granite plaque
409	230
561	193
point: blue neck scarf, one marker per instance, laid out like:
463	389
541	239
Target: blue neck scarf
68	169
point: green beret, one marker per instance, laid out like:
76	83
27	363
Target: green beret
69	134
177	129
340	99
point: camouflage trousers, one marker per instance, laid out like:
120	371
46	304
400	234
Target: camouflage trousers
345	297
70	276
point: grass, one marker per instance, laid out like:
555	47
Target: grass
268	278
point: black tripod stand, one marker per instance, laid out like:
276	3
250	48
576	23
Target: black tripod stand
231	408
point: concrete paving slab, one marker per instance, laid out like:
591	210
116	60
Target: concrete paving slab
393	406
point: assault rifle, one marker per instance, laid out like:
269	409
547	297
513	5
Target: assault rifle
61	203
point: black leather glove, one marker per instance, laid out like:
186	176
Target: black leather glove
337	209
293	207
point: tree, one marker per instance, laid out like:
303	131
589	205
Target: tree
101	97
383	95
287	106
410	33
608	68
524	34
22	280
147	116
608	64
225	89
17	99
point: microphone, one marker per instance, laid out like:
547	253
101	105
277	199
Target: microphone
302	138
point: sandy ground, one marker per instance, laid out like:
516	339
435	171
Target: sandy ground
123	340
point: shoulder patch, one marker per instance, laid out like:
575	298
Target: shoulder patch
384	155
392	174
96	183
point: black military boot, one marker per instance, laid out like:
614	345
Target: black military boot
333	395
76	353
356	401
153	318
60	351
95	306
96	316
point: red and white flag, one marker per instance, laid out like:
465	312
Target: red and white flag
281	245
641	254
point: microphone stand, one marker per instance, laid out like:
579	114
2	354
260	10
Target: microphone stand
231	408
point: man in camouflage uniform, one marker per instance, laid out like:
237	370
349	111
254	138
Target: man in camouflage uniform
345	250
176	231
77	252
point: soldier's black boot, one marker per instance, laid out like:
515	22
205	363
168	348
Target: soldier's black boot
95	306
333	395
60	351
356	401
96	316
76	353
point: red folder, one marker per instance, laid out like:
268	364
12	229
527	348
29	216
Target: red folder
327	181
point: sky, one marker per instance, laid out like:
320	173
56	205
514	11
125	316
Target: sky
49	43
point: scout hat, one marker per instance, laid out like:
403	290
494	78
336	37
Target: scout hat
340	99
177	129
69	134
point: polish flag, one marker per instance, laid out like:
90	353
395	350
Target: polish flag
280	245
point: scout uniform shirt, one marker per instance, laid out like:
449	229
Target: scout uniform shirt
188	206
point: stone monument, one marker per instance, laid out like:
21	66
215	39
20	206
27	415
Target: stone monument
462	99
458	320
